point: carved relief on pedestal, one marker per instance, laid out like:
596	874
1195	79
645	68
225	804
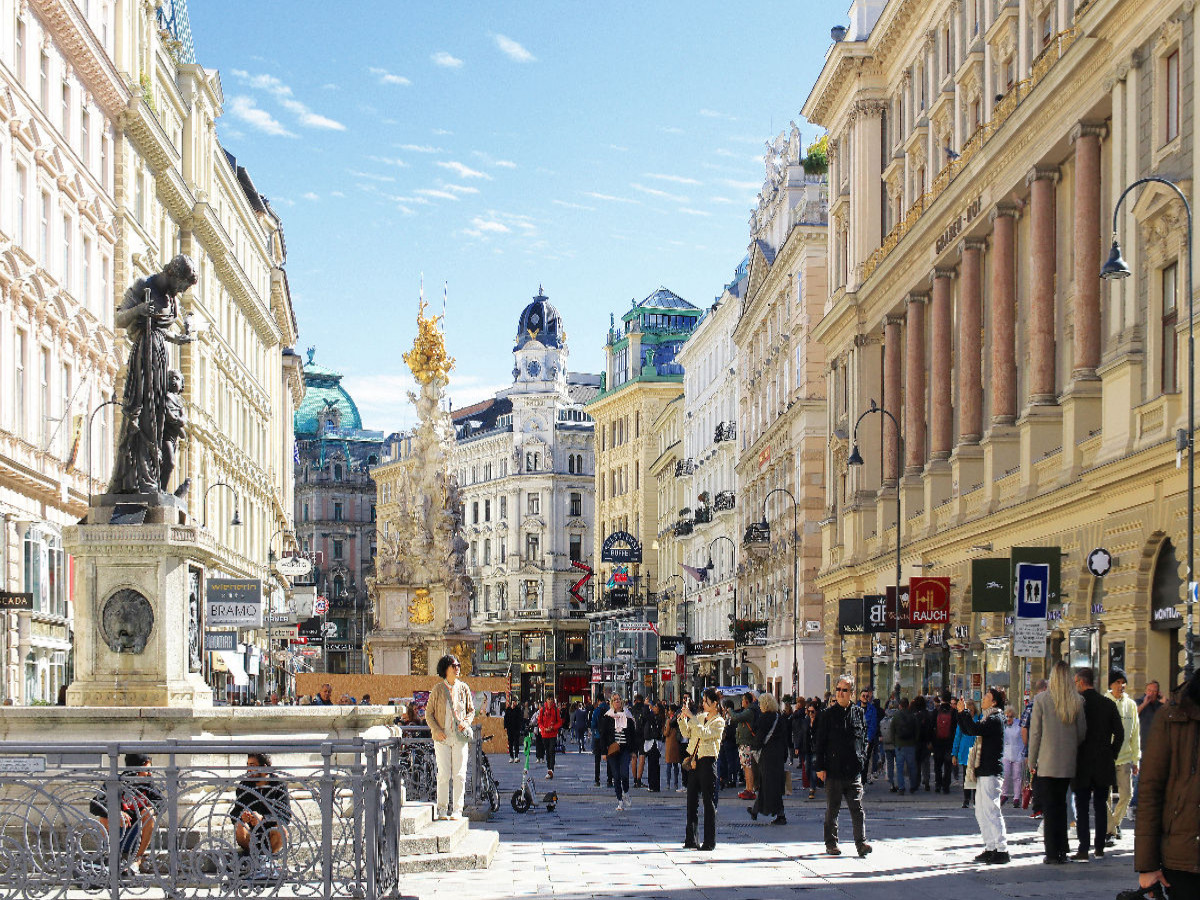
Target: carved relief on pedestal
420	607
418	661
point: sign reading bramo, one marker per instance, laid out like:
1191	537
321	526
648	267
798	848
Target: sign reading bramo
234	601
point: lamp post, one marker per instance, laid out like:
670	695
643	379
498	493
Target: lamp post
237	519
271	558
709	567
857	460
676	603
1116	268
764	529
91	419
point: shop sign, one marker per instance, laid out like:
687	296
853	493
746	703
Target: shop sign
1033	590
630	626
619	596
1047	556
1099	562
875	613
905	620
930	604
1166	618
596	677
234	601
680	662
991	585
1116	656
707	648
631	552
851	616
220	640
666	674
671	642
293	566
812	626
16	600
955	226
338	646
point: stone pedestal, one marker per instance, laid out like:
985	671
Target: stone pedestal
137	611
415	627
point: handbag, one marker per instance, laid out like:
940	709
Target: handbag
689	762
614	749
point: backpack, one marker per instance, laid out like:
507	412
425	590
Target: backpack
886	729
906	726
945	725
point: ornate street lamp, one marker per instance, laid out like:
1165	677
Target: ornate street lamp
758	539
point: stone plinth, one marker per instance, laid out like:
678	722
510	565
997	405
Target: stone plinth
137	613
415	627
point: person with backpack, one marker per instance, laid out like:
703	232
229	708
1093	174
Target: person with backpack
905	733
871	717
887	742
943	744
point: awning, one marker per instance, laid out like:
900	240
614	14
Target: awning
235	662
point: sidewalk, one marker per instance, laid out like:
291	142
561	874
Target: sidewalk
585	849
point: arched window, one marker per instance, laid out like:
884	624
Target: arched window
339	585
337	473
571	465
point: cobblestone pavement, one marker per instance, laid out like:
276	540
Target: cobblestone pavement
923	848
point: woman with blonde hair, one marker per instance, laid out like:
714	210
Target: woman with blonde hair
773	727
1056	729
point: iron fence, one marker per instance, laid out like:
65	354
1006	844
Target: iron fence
323	820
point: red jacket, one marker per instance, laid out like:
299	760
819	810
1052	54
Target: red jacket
549	721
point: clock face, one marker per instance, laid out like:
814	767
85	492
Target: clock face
535	320
533	367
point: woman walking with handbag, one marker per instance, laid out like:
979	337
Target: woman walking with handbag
703	734
772	760
617	734
1056	729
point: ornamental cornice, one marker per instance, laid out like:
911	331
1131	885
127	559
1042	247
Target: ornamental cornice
148	137
88	58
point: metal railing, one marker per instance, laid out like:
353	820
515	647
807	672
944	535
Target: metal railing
329	826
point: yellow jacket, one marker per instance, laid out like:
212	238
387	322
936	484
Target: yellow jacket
703	734
1131	749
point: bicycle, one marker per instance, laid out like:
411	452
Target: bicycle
489	787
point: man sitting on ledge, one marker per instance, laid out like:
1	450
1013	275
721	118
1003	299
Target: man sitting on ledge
140	804
262	808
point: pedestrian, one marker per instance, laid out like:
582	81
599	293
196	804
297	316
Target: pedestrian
514	728
140	803
1056	729
1148	706
549	724
1035	795
261	813
1167	827
652	736
727	760
772	761
887	742
1013	760
871	717
450	713
809	748
943	744
1096	765
841	746
533	712
637	712
323	697
906	732
1128	758
796	725
987	770
673	748
747	744
599	747
579	725
963	745
618	732
703	734
920	711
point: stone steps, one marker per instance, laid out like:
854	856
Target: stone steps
474	851
442	846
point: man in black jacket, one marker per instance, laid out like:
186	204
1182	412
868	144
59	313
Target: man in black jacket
1096	765
841	747
514	727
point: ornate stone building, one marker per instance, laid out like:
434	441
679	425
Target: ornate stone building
782	428
525	463
336	510
976	159
642	376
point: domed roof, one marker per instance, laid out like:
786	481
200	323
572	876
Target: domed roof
540	322
326	405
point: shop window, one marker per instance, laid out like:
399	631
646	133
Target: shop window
45	571
501	643
533	646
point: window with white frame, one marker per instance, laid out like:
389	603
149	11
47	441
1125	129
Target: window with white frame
44	232
45	571
1170	318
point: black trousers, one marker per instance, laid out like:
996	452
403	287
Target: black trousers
1098	795
701	783
941	765
869	761
923	755
514	744
852	790
551	745
1184	885
1054	814
598	753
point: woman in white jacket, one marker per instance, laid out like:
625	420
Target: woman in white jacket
1013	759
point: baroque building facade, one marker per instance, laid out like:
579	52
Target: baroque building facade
336	511
642	375
525	464
781	413
976	159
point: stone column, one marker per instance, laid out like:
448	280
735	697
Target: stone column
1003	318
941	412
914	381
891	397
970	351
1042	347
1086	308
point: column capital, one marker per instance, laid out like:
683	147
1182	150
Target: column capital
1088	129
895	319
943	272
916	298
1043	173
971	244
1003	209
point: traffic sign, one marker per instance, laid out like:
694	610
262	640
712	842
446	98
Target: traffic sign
1033	590
320	606
1099	562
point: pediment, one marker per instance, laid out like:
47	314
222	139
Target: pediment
1156	197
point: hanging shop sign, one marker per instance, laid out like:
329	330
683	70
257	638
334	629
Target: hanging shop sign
293	566
905	607
234	601
875	613
930	604
851	616
991	585
16	600
612	550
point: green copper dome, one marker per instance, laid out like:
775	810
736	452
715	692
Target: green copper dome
326	405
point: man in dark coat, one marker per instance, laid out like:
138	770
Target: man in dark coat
1096	765
841	746
514	727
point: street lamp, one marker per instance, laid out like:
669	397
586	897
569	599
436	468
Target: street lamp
763	537
91	419
857	460
237	519
676	602
1115	268
709	567
271	559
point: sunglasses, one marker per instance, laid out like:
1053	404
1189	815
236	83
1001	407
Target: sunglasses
844	691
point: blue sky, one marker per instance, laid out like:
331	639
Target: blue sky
599	150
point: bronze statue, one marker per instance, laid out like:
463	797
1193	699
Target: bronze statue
149	310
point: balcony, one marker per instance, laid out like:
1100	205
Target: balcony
685	467
703	516
725	500
683	527
725	431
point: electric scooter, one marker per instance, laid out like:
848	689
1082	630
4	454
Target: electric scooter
523	799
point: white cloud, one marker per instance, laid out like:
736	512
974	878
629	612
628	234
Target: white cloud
713	114
741	185
461	188
445	60
618	148
573	205
419	148
389	161
655	192
463	171
370	176
688	211
311	119
310	196
383	399
610	198
505	164
245	109
336	194
386	77
434	192
490	161
676	179
490	226
671	129
441	132
513	50
276	88
721	200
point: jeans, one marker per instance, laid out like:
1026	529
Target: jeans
672	775
851	789
810	768
451	759
1053	793
906	761
619	769
1124	795
872	746
988	813
1097	796
889	759
701	783
514	744
941	766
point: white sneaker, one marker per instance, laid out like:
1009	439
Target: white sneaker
680	790
438	815
620	806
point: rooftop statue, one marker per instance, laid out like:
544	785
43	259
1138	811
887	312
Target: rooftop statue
427	358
